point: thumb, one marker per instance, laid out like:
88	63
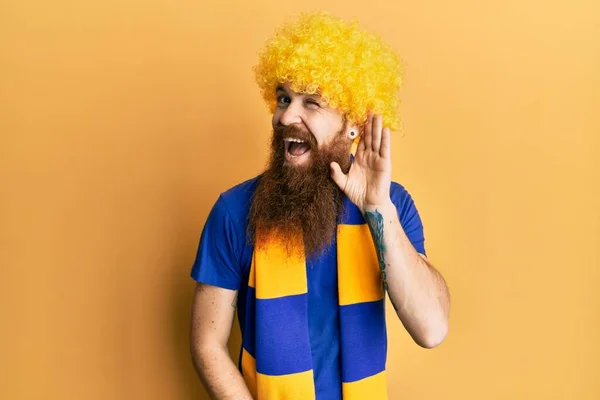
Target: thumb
338	176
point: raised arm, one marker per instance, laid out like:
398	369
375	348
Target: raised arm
416	289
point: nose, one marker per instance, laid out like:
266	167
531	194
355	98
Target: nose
292	113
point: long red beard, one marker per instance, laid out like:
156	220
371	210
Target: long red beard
298	205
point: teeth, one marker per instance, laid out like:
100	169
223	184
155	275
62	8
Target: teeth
293	140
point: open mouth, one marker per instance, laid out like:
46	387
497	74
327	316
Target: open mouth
295	149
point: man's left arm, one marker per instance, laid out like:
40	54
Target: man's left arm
417	290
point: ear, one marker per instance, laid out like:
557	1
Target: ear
352	132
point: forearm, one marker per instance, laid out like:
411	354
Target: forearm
417	291
219	374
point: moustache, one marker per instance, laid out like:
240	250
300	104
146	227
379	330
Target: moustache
292	131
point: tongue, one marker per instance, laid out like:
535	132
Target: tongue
297	149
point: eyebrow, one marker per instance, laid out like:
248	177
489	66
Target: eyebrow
280	88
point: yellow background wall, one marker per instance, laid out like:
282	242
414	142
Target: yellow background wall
122	121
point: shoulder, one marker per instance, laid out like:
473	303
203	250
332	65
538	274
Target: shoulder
400	195
242	190
402	199
237	198
221	256
409	216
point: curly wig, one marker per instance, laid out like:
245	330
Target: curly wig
352	69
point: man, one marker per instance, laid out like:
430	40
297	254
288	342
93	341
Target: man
308	249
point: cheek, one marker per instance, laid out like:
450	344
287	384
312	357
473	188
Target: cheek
319	129
276	116
325	132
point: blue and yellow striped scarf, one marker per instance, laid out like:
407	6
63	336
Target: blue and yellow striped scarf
276	356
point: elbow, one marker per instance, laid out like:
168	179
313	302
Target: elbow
433	336
206	351
197	354
204	357
202	354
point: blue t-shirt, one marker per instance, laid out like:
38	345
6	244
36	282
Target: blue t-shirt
224	257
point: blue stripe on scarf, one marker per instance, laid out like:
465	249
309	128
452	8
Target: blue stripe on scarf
366	347
284	346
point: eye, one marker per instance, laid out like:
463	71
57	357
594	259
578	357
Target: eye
313	102
283	100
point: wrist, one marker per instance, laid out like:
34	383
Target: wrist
382	207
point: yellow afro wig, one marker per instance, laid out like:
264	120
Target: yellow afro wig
353	70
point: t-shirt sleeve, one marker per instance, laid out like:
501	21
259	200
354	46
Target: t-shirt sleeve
217	260
409	218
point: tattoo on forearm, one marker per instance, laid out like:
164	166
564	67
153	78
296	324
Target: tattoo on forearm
375	221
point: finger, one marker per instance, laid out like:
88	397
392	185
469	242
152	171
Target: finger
377	127
386	139
368	137
361	144
338	176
